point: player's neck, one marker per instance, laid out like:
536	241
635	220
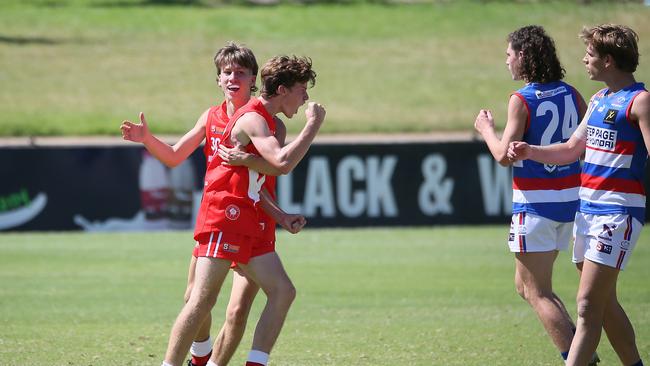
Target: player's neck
234	104
272	105
619	81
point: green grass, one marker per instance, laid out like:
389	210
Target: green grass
81	67
438	296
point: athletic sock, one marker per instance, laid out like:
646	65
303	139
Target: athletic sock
257	358
639	363
201	360
165	364
210	363
201	352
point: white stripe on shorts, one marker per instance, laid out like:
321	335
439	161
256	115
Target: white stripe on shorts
209	244
216	247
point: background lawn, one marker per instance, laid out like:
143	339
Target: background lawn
437	296
81	67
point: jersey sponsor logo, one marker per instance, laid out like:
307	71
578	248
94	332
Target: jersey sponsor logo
232	212
606	234
230	248
610	116
521	230
549	93
550	167
601	138
604	248
625	245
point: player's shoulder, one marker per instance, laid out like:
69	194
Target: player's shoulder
279	122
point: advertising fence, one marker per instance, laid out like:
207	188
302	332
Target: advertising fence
123	188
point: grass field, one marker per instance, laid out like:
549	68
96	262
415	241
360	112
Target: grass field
80	67
435	296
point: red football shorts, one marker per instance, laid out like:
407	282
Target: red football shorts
235	247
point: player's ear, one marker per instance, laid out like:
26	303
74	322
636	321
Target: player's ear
609	60
282	90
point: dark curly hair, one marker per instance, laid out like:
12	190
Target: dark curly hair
287	71
618	41
539	62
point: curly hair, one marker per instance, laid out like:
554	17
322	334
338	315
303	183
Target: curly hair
286	71
619	41
539	62
232	53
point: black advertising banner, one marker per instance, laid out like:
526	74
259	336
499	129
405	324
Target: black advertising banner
123	188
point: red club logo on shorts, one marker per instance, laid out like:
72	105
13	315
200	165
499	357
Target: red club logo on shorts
232	212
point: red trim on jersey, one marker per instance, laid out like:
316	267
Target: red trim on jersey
627	111
527	109
529	184
612	184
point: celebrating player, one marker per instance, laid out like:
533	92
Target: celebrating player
227	227
236	70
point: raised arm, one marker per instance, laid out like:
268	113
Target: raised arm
168	155
236	156
514	130
284	159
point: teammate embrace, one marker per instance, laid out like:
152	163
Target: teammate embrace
245	150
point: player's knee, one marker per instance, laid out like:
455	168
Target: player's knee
283	292
237	314
202	300
588	308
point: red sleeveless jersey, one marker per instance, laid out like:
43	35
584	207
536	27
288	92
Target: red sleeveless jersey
231	193
214	127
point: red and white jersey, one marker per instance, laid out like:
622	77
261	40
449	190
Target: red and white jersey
214	127
231	193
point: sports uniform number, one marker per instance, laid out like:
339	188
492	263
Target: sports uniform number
214	144
569	122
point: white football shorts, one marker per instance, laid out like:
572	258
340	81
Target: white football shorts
532	233
605	239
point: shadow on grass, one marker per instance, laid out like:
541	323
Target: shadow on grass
216	3
21	41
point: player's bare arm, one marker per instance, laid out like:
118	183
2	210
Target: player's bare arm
237	156
514	130
252	128
168	155
559	154
640	112
292	223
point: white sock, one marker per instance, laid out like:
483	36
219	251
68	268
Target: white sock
258	356
201	349
165	364
210	363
